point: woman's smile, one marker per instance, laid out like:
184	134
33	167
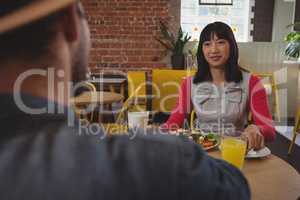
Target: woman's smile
216	51
215	58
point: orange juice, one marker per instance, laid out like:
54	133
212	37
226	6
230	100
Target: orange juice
233	151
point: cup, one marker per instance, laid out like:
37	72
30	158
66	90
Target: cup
233	150
138	119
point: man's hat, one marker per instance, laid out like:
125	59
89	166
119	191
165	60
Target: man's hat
31	12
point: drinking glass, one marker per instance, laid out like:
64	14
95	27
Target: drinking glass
138	119
233	150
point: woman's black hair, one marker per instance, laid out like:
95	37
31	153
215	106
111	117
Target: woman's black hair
232	69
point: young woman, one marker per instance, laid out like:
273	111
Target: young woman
222	94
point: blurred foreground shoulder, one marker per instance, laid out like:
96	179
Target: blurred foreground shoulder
195	173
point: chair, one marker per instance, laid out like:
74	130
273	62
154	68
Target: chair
109	80
81	111
271	90
192	119
137	97
295	130
137	94
165	87
120	126
122	117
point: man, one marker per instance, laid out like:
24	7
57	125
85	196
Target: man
43	47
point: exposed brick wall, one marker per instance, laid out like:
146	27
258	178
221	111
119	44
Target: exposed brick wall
123	32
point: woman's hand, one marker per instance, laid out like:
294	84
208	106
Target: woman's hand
254	138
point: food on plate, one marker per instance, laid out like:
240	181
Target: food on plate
206	141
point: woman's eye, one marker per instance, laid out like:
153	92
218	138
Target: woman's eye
221	42
206	44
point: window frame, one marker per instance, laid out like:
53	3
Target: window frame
216	3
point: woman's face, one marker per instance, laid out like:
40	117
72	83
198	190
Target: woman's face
216	52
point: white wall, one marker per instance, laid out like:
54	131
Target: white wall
268	57
283	15
261	56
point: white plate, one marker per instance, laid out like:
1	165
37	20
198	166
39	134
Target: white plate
259	154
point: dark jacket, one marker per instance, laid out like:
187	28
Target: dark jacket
41	158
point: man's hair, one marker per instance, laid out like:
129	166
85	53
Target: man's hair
28	41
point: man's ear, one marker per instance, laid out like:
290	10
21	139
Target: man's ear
70	24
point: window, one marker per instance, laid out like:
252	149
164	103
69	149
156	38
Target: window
215	2
195	17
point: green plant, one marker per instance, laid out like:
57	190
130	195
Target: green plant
193	50
293	38
175	44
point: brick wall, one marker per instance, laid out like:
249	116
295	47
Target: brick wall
123	32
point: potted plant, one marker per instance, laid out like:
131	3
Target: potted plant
173	43
293	47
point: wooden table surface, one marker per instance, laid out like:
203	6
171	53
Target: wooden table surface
270	178
98	97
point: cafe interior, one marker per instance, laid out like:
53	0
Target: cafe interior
135	67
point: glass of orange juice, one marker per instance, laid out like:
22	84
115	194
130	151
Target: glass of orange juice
233	150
